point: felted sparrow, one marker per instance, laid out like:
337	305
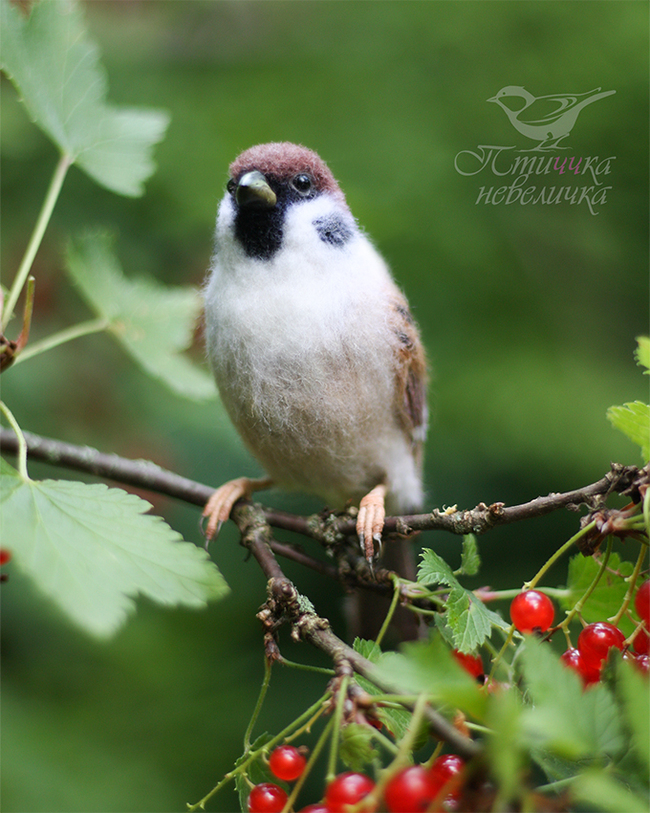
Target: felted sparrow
317	358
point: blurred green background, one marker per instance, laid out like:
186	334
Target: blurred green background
529	314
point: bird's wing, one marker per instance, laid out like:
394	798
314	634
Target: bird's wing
410	371
547	109
558	104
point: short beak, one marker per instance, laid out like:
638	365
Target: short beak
493	99
253	190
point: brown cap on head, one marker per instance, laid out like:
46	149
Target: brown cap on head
284	160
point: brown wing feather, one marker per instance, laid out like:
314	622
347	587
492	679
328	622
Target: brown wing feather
411	372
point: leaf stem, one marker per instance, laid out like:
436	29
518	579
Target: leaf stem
558	553
22	443
310	764
37	235
583	600
258	705
391	610
630	587
337	718
405	747
62	336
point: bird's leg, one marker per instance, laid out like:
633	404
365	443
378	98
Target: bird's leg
218	507
370	520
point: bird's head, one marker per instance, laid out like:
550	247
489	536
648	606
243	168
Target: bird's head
513	93
266	183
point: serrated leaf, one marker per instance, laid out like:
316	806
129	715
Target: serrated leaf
430	668
434	570
562	718
633	420
607	597
470	559
153	323
93	549
468	619
55	67
356	749
603	792
370	650
642	353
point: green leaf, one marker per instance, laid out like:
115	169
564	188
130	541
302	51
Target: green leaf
606	599
562	718
434	570
642	353
469	620
470	560
367	649
633	420
506	754
92	549
56	69
356	749
153	323
632	688
602	792
431	668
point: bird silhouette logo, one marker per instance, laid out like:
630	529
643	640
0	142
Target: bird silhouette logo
546	119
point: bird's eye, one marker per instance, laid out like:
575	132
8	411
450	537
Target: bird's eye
231	186
302	183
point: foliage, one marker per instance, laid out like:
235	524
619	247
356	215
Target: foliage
88	547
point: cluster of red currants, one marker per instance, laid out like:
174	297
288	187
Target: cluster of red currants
286	763
411	789
532	611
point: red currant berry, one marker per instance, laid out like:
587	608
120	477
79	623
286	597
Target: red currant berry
595	641
574	660
640	662
643	663
266	798
532	611
319	807
642	603
347	789
444	769
470	663
5	556
410	790
287	763
642	643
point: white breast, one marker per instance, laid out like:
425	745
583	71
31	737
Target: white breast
303	357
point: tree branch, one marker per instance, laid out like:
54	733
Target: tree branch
326	528
286	605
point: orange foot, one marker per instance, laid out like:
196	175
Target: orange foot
218	507
370	520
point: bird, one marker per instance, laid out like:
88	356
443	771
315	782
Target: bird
317	358
547	119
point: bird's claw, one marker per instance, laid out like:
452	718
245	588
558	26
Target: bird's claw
218	507
370	521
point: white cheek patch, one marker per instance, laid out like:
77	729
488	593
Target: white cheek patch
319	224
